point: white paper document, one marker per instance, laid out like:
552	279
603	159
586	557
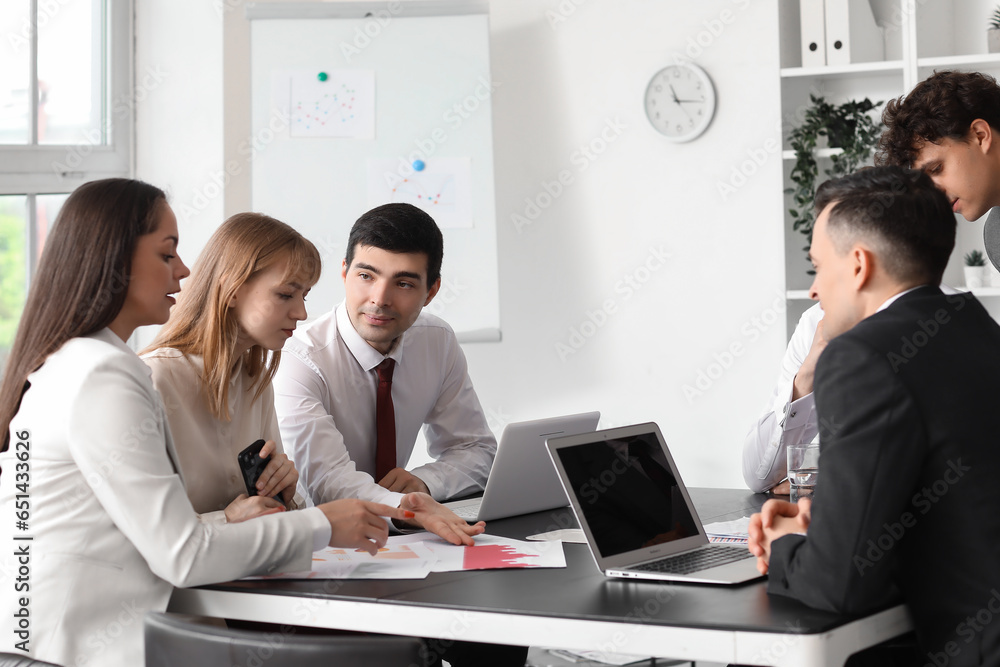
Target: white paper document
735	532
415	556
404	561
489	553
442	188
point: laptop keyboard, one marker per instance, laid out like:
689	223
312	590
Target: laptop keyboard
696	561
467	512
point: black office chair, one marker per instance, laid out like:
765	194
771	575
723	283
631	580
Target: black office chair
175	642
14	660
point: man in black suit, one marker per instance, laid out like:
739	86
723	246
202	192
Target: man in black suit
908	501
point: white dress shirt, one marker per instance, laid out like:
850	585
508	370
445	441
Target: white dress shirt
113	530
325	396
207	447
786	422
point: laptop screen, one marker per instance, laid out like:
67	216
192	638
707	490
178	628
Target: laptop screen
628	493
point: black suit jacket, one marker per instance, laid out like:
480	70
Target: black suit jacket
907	504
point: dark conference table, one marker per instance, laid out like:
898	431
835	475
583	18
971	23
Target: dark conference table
575	607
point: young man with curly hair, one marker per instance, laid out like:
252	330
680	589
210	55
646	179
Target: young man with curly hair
944	127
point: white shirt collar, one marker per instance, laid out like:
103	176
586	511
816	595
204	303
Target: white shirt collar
366	355
892	299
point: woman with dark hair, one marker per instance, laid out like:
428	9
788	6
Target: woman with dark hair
104	528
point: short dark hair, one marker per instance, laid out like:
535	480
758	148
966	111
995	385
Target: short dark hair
941	106
900	211
399	228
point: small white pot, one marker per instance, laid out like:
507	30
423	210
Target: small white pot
974	276
993	40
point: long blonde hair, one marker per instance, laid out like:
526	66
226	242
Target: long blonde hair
202	322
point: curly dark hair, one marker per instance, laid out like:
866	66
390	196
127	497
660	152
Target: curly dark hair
943	105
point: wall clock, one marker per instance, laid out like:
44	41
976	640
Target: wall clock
680	101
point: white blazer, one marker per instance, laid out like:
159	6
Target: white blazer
113	530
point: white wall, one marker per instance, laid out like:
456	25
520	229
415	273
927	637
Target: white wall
568	70
179	114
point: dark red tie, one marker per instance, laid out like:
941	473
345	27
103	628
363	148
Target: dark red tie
385	421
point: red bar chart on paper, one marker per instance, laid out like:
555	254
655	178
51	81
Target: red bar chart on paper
494	556
490	553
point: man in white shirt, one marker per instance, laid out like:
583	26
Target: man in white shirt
327	384
943	127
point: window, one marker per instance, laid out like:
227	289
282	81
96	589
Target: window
66	117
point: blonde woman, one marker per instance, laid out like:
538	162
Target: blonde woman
86	448
213	363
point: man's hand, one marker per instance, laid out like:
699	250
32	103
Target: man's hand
434	517
782	489
777	518
246	507
803	382
401	481
359	523
280	475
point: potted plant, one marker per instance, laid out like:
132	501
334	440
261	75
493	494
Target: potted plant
849	127
975	265
993	32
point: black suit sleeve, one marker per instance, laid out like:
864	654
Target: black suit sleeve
871	446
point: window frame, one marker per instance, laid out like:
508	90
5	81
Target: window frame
33	169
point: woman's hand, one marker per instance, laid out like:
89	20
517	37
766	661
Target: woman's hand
246	507
280	475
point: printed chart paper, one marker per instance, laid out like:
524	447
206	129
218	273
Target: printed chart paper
403	561
415	556
341	106
443	188
733	532
489	553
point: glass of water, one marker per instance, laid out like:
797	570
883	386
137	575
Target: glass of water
803	466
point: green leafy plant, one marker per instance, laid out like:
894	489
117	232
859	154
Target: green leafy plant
848	126
12	277
995	19
975	258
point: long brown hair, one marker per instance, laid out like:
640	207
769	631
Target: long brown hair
202	323
82	277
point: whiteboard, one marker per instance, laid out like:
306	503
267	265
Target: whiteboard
432	102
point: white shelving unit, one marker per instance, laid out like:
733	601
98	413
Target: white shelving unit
921	36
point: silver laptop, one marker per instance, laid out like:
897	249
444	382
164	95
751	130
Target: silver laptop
636	512
522	479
